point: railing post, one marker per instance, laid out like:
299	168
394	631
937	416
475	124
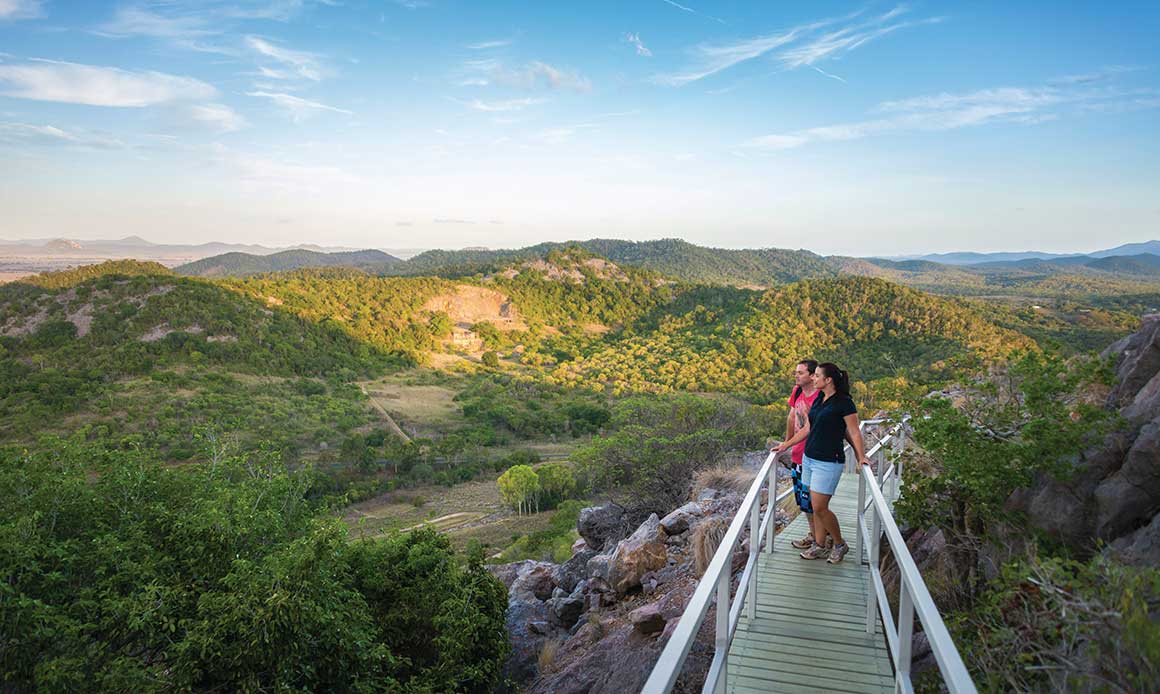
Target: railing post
905	636
898	459
875	539
754	541
769	529
721	641
861	518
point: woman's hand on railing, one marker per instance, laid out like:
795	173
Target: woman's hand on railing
866	461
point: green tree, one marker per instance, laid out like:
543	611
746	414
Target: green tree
519	487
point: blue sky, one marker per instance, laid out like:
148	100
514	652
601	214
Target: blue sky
854	128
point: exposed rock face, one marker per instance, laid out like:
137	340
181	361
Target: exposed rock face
644	551
1138	361
610	634
527	614
1114	491
1141	547
601	524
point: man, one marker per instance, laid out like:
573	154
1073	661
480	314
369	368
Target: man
800	400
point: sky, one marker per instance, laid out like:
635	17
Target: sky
865	128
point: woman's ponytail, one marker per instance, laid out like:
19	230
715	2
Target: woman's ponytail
841	378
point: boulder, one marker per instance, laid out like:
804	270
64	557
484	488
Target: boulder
707	495
571	572
635	556
599	525
1138	361
535	578
1140	548
648	619
527	617
597	566
579	545
564	611
678	521
1130	498
1146	404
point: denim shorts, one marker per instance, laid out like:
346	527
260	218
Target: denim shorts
820	476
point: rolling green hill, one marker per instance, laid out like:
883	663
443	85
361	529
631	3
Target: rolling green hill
242	264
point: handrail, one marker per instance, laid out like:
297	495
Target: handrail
914	596
718	579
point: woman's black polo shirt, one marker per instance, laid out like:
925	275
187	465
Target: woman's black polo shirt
828	428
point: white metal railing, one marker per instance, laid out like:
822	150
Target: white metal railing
914	597
718	579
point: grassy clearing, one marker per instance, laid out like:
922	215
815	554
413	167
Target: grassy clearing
397	510
421	407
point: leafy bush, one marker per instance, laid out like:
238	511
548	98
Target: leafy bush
1059	625
120	574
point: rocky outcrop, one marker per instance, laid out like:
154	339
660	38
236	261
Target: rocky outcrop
678	521
605	615
601	524
641	553
1113	491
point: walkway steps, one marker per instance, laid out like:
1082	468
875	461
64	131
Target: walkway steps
810	631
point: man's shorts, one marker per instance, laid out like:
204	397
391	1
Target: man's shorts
801	492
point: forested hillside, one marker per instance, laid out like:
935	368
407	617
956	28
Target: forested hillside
242	264
318	392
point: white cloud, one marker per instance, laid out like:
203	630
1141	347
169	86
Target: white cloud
641	50
138	21
482	72
299	108
690	10
800	46
715	58
486	45
218	117
19	9
1012	105
74	83
843	40
304	64
32	134
503	106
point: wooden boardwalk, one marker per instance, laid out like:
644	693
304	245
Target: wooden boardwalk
810	632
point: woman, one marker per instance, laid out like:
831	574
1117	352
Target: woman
833	419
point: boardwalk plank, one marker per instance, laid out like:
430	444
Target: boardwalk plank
809	633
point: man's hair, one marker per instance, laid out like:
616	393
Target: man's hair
810	364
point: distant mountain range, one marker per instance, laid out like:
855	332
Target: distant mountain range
137	247
967	258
